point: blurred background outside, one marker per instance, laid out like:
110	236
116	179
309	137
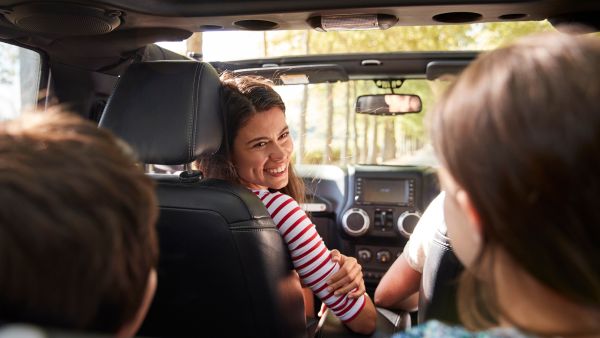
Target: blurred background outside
321	116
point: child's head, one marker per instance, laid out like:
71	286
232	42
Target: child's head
518	135
77	240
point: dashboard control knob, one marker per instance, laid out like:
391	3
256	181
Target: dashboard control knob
407	222
383	256
355	222
364	255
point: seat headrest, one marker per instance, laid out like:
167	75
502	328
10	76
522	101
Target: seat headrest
168	111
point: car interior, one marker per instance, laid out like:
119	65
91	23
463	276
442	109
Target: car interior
224	269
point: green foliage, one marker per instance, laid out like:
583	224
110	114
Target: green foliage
395	39
316	156
482	36
498	34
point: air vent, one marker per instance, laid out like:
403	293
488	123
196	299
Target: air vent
515	16
206	28
457	17
64	19
256	25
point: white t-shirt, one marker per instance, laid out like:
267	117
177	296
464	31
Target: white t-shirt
432	220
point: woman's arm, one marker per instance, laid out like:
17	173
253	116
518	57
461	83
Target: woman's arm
314	263
397	286
365	321
349	281
349	278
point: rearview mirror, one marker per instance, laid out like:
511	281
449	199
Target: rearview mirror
388	104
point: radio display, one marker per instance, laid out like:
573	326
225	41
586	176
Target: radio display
385	191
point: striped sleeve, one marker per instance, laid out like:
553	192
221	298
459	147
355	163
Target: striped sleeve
311	258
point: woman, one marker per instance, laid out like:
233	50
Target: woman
518	136
256	152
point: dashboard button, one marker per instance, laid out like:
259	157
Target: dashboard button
407	222
383	256
364	255
355	222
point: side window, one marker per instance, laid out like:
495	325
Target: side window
20	71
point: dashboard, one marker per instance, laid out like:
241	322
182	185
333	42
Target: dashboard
368	211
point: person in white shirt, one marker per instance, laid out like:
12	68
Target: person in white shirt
399	287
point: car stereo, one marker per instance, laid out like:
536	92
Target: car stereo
377	191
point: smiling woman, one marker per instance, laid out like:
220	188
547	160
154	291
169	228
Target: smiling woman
257	154
262	151
239	113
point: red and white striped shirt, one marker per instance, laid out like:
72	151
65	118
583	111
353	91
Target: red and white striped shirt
310	256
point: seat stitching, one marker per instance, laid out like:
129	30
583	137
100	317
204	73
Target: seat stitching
197	118
193	113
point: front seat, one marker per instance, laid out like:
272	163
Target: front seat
439	283
224	270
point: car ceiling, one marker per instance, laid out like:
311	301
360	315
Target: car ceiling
98	34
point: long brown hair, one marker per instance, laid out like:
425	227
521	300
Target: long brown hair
243	97
519	131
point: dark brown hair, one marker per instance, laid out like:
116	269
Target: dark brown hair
77	237
243	97
519	131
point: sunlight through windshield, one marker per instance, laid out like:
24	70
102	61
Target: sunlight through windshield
224	46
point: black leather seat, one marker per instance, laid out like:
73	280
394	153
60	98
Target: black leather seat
224	269
439	283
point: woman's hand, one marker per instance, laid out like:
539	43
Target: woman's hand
348	278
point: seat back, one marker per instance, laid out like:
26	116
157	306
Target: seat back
439	283
224	269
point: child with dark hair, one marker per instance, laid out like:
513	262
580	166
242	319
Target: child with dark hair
78	248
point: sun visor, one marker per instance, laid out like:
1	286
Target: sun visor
438	69
291	75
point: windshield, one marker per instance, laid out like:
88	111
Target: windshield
324	127
225	46
326	130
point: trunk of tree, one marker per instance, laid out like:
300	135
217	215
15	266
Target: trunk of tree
302	132
345	149
327	152
356	156
365	147
374	150
389	140
265	45
303	108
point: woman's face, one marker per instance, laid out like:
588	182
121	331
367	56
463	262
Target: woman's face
262	150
